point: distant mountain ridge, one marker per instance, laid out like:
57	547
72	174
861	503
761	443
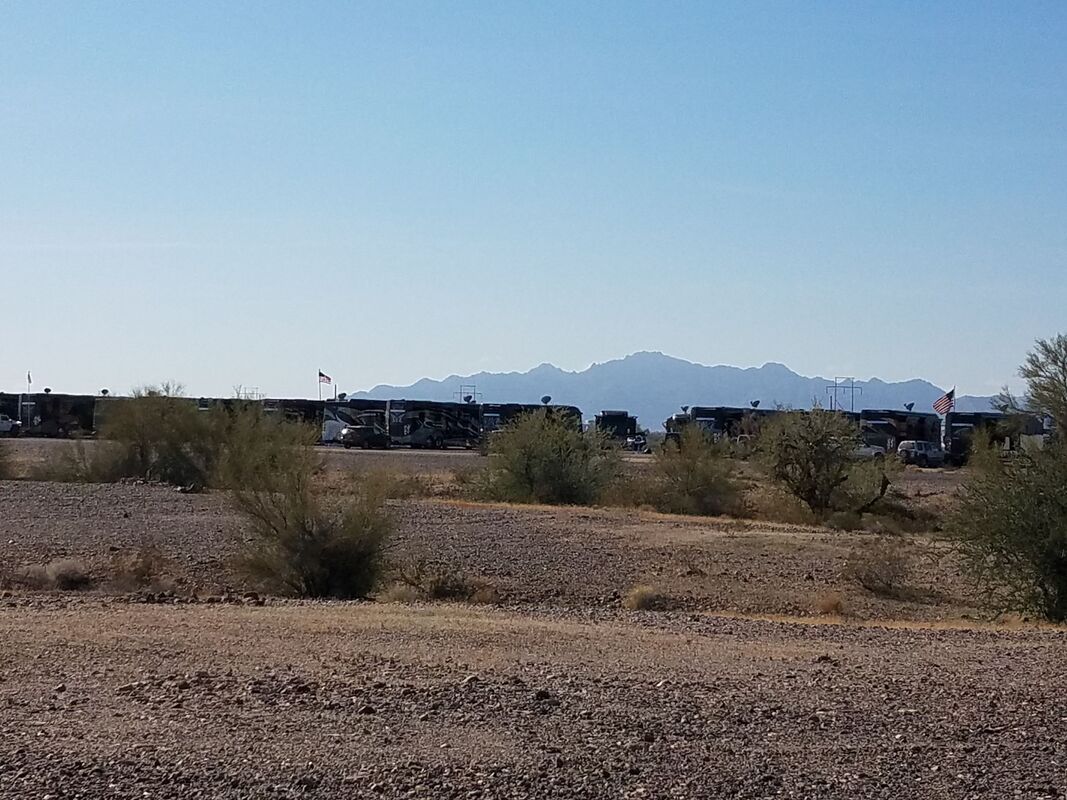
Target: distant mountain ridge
653	386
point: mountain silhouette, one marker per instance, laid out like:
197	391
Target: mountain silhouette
653	386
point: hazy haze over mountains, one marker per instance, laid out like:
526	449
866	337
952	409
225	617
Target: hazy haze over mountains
654	386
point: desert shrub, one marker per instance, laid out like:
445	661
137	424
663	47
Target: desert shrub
81	462
1011	519
427	580
1011	526
143	568
31	576
68	574
394	484
7	466
162	436
646	598
881	567
541	458
693	476
298	544
809	454
830	603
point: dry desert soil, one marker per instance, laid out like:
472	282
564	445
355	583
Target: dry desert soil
743	690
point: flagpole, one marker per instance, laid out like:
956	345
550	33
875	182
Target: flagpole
319	377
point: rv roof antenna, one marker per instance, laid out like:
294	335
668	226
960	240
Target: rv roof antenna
754	403
468	393
909	406
546	399
685	409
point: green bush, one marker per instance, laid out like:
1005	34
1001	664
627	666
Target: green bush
298	544
541	458
693	476
162	436
1011	525
810	454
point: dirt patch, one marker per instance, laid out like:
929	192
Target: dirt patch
337	700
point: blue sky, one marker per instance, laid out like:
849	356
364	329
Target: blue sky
241	193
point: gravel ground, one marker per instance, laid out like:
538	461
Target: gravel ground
575	557
103	699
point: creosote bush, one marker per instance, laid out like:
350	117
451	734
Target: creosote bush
162	436
881	567
428	581
693	476
299	544
544	458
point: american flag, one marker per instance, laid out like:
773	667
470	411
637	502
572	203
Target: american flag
324	378
946	402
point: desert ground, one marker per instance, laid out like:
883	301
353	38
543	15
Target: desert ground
747	688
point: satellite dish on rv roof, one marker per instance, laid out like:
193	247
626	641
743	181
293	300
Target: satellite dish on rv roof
104	392
546	399
342	396
47	390
685	409
467	398
909	406
754	403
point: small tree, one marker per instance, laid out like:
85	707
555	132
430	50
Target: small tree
299	545
1045	373
1011	524
692	476
161	435
1011	521
545	458
810	453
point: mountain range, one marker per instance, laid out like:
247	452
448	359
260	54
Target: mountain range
653	386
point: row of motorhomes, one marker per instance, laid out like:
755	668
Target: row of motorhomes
884	429
434	424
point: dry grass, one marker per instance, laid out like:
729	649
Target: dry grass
646	598
832	603
65	574
882	567
429	581
145	568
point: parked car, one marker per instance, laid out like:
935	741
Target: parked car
924	454
868	451
8	426
363	436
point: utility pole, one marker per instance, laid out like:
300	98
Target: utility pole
845	386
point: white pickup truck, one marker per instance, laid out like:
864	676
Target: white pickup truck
8	426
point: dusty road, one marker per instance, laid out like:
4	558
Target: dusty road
107	700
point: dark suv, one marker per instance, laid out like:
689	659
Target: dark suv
364	436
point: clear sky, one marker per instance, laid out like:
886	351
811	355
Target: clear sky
241	193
